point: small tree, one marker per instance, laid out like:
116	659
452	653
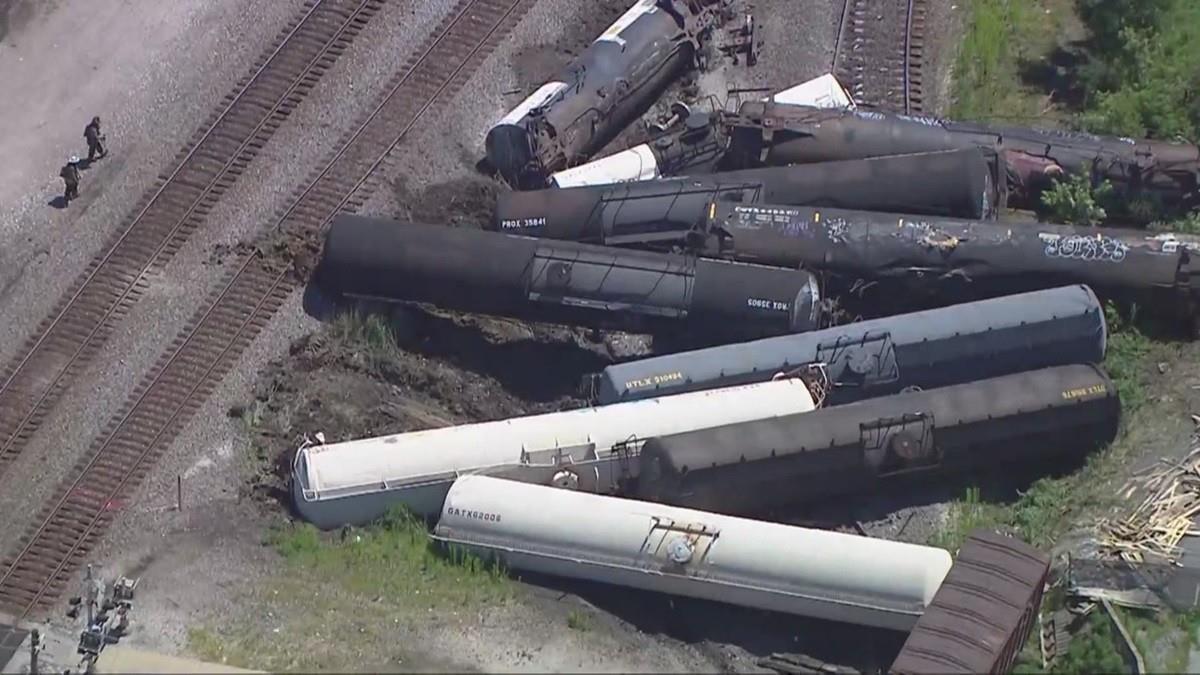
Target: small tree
1074	201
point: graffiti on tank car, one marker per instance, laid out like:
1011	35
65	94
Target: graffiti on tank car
764	303
477	515
522	223
1062	133
837	229
1078	247
921	119
868	115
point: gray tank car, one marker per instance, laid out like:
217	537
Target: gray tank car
778	134
607	87
755	466
963	259
662	212
933	348
561	282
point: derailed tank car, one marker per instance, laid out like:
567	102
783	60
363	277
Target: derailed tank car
933	348
591	449
781	568
778	134
983	612
963	259
671	153
754	466
663	212
561	282
612	82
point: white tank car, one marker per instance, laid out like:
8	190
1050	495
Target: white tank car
588	449
782	568
820	92
640	163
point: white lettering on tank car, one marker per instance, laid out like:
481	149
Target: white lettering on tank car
476	515
763	303
521	223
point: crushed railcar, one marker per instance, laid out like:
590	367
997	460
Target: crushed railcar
591	449
954	259
562	282
601	91
775	134
982	614
663	212
752	467
770	566
932	348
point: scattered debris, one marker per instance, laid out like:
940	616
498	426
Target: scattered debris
802	664
1164	517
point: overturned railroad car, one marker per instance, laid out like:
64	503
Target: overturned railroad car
778	134
781	568
591	449
663	212
695	147
562	282
963	259
605	88
750	467
932	348
983	611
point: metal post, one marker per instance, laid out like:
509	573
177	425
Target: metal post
91	596
179	492
35	646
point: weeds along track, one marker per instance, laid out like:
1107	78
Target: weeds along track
70	337
880	51
204	352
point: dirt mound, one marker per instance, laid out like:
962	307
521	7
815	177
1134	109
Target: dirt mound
413	369
464	202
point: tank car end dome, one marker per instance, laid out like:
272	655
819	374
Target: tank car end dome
509	152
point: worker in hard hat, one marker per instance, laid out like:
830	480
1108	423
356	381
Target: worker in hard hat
70	176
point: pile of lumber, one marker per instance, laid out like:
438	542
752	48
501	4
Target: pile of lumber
1171	501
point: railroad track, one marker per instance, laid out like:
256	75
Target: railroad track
70	337
880	51
245	300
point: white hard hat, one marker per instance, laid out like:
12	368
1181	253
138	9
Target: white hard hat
74	159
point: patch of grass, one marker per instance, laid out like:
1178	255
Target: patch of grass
577	620
1189	224
1126	359
1093	650
367	336
380	582
1001	35
395	559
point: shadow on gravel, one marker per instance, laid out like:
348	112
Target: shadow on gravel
759	632
57	202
